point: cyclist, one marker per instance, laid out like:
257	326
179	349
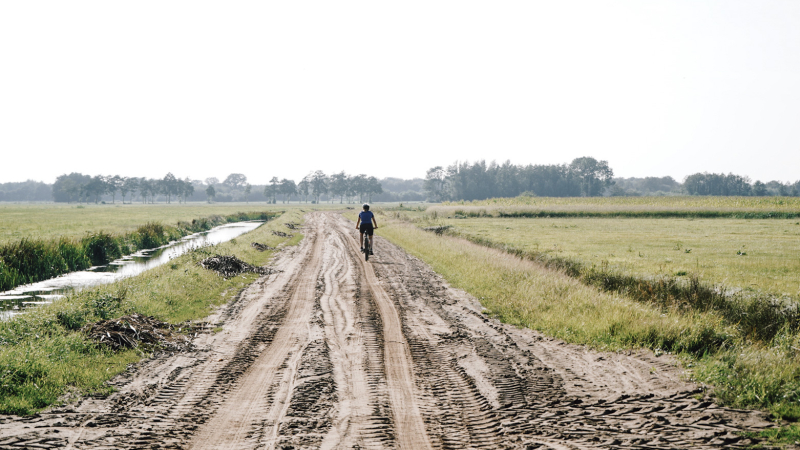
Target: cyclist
364	224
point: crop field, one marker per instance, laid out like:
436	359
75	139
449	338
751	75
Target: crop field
49	221
736	253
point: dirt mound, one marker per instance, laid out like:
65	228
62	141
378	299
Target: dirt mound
134	330
261	247
230	266
281	234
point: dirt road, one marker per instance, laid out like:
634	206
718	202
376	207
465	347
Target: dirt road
336	353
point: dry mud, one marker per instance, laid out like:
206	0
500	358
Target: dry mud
333	352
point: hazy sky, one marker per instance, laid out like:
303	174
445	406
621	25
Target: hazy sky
392	88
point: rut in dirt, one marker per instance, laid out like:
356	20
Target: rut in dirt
335	352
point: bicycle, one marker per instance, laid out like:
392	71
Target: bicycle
367	245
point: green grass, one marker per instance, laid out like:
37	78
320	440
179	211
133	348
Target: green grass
745	371
45	359
55	220
31	260
787	204
743	254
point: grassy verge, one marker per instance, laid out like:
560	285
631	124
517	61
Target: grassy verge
757	315
31	260
44	356
519	291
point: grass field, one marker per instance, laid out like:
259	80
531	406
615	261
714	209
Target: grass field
44	356
742	372
559	276
54	220
791	204
737	253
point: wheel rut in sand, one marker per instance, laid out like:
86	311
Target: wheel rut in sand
338	353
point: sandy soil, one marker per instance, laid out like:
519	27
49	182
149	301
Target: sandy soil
334	352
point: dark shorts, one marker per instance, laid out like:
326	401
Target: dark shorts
366	228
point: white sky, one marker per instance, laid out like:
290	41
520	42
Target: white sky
271	88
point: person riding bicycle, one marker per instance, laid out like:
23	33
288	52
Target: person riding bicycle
364	224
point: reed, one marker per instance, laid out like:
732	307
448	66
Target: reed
44	356
32	260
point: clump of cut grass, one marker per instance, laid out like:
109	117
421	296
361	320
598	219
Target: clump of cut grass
44	355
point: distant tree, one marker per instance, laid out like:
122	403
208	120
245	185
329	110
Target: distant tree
319	184
759	189
96	187
338	185
69	188
235	180
185	189
210	193
304	187
593	175
211	181
274	183
268	193
113	184
169	186
434	183
372	186
247	189
288	189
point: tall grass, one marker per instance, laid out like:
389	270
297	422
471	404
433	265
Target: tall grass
757	316
43	354
31	260
744	368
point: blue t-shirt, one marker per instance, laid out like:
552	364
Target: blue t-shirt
366	217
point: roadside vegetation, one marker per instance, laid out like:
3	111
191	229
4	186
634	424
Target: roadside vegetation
45	358
31	260
743	343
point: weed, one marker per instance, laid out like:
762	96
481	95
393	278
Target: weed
43	354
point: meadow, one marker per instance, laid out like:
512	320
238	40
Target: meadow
761	255
789	204
55	220
722	293
80	238
45	358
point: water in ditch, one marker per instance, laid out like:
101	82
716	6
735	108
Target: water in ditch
27	296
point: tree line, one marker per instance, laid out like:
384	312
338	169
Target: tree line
315	187
77	187
583	177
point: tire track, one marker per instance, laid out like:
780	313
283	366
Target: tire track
409	427
234	420
336	353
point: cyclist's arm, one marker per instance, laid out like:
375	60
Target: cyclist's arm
374	221
358	222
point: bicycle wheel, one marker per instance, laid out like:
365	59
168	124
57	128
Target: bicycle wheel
367	247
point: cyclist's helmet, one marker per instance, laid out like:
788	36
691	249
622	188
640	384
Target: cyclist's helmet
365	206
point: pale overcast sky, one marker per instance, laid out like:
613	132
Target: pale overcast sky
392	88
